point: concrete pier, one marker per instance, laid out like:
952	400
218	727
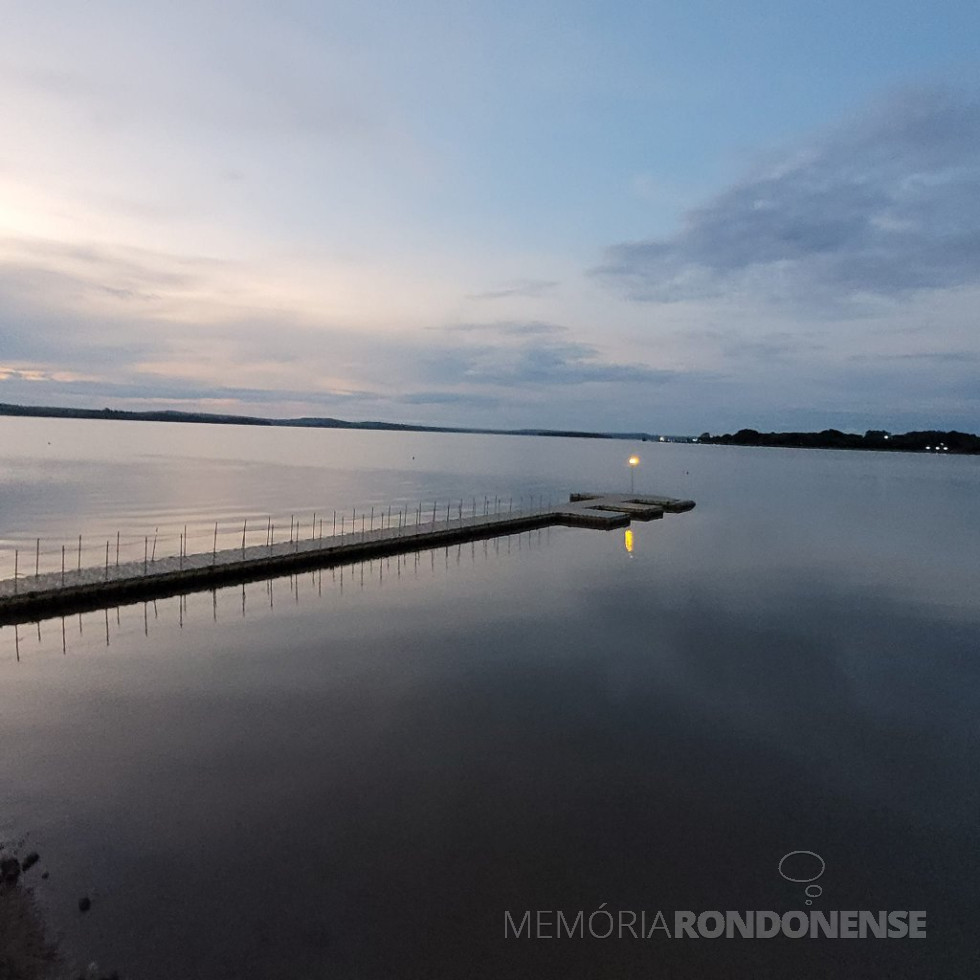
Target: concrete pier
32	597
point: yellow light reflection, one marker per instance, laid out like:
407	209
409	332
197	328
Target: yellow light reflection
629	540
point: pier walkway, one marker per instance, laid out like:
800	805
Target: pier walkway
29	597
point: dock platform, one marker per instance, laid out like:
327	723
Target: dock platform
31	597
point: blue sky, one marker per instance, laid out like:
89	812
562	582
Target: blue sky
669	217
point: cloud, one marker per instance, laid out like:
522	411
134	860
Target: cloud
272	96
457	398
526	288
95	326
881	207
508	328
45	272
952	357
96	306
39	387
539	362
765	346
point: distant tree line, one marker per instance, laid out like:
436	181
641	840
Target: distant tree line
930	440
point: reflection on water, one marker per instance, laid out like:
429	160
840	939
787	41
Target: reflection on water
238	600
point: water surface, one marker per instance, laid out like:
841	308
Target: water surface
356	774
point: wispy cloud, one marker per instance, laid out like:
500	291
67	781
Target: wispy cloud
271	96
39	387
507	328
525	288
539	362
455	398
881	207
952	357
771	346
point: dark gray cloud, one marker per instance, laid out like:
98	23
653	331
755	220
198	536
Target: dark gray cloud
527	288
883	206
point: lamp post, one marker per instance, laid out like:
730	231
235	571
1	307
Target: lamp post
633	461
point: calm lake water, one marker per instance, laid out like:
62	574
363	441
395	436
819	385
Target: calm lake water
357	774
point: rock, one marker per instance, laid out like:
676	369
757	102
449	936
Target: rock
30	861
84	903
9	870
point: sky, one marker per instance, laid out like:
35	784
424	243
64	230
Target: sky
619	216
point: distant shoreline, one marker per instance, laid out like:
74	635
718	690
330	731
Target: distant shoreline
874	440
207	418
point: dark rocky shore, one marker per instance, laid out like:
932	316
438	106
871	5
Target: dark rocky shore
26	950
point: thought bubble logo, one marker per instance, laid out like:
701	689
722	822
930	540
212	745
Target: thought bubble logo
803	868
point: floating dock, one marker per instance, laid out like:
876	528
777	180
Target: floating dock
32	597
